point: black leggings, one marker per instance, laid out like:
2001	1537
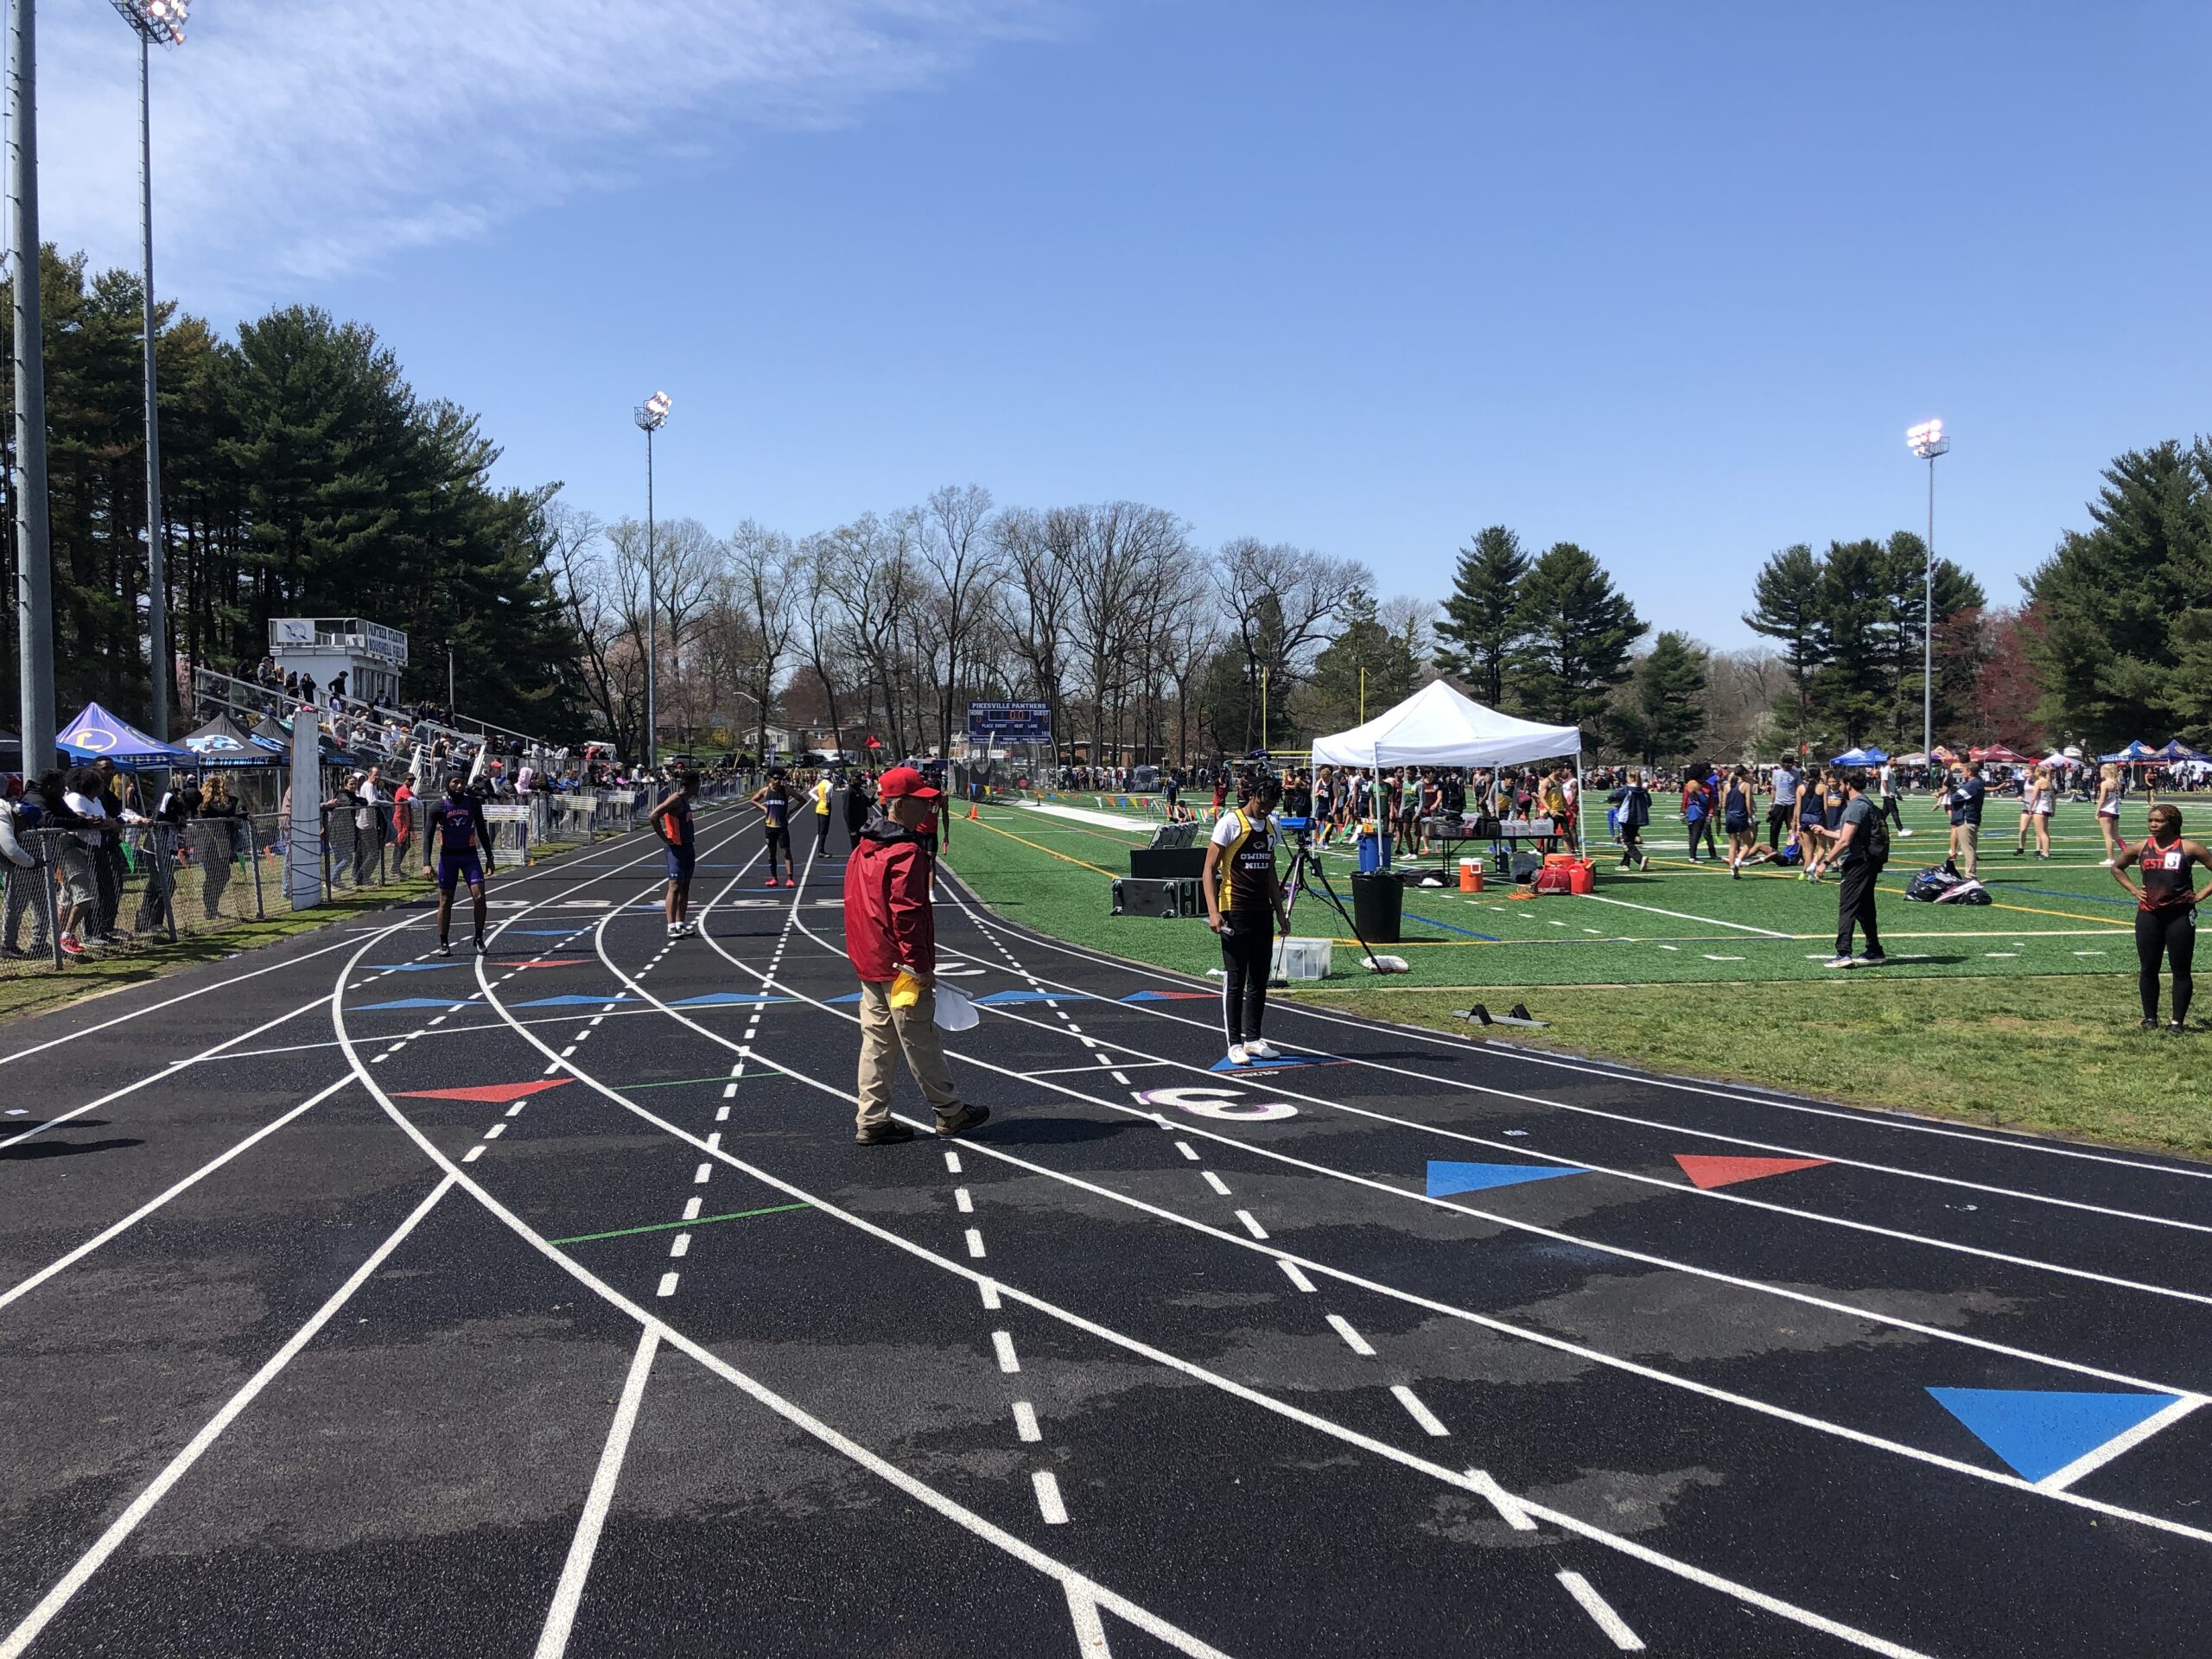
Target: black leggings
1247	941
2171	935
1703	827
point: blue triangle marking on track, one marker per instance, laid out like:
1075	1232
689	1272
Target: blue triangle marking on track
996	998
725	999
2039	1431
1446	1178
410	1003
1224	1063
851	996
571	1001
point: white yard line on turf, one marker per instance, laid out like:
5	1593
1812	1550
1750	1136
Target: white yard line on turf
1868	1118
993	1289
20	1639
1542	1338
950	1509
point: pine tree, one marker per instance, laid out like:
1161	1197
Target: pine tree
1575	628
1393	672
1482	617
1787	598
1660	712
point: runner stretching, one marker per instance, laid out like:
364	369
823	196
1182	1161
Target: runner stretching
672	822
774	800
2165	910
456	833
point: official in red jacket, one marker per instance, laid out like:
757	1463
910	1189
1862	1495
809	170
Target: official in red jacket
891	935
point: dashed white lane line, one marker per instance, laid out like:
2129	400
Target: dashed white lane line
473	1154
1607	1620
700	1178
990	1294
953	1162
1294	1274
1121	1078
1003	1342
962	1202
721	1114
715	1140
1431	1424
1215	1182
1187	1150
679	1245
1501	1500
691	1208
515	1110
1056	1513
667	1284
1250	1225
1353	1340
729	1092
495	1131
1024	1421
975	1244
569	1049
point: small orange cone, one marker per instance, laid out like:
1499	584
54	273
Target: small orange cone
971	811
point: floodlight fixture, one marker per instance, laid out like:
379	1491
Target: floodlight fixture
1927	440
652	415
159	23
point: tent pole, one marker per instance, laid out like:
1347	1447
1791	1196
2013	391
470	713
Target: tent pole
1578	804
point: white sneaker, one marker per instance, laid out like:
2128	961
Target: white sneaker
1841	962
1263	1051
1238	1054
2105	864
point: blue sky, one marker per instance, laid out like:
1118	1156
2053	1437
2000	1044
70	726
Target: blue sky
1667	281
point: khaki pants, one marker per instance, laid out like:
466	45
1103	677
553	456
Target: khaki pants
1966	846
885	1030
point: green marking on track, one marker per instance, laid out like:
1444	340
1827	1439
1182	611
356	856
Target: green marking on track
671	1226
719	1076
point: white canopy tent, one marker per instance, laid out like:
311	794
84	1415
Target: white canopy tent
1438	726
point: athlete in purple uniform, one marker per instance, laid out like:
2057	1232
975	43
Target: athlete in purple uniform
457	835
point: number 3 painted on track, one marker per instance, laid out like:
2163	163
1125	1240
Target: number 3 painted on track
1219	1103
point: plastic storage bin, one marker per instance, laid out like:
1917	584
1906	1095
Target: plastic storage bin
1299	960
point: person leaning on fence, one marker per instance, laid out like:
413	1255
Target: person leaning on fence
21	873
1859	846
216	840
891	936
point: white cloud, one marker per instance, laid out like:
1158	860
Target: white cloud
307	139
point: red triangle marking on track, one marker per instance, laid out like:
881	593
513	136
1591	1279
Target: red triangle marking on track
1708	1172
496	1093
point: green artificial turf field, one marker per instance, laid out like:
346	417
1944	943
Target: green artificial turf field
1679	924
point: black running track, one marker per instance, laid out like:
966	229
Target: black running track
353	1301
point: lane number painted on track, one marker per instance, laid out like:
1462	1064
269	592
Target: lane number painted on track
1229	1103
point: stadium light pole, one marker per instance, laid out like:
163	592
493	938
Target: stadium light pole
651	416
34	554
156	22
1927	441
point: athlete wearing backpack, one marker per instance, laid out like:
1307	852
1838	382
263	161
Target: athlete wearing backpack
1859	849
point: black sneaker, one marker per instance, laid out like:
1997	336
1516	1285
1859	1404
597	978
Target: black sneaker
2146	1025
2177	1027
1875	961
963	1120
883	1134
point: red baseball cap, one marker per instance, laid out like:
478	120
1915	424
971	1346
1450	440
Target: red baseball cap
905	780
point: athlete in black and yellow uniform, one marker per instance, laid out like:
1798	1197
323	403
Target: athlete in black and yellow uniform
1244	899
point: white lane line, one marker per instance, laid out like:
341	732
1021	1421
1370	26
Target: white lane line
1353	1340
1290	1271
515	1110
952	1163
473	1154
1215	1182
1090	1629
975	1244
157	1201
1501	1500
1146	1620
699	1178
729	1092
1048	1498
691	1208
1684	916
1607	1620
962	1202
715	1141
1430	1422
680	1245
2059	1480
495	1131
667	1285
1250	1225
1024	1421
1187	1150
561	1617
123	1525
1008	1361
721	1114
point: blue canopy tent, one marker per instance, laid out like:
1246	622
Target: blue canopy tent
2134	755
95	735
2178	750
220	743
1860	758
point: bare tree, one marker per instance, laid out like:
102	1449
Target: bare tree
1280	600
767	575
1035	603
960	552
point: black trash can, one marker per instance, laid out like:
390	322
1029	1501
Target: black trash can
1378	906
